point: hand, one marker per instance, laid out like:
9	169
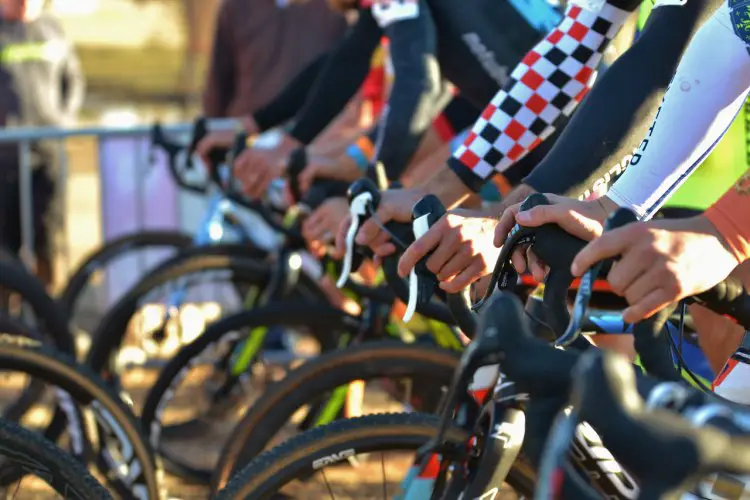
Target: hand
214	140
395	204
583	219
255	168
462	247
326	168
660	262
322	224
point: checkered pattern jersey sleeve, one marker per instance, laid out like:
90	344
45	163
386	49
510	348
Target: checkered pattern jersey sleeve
547	85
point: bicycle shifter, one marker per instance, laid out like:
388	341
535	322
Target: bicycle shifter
422	282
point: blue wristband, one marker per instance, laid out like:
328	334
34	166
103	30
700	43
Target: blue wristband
356	154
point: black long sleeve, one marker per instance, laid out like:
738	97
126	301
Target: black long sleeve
292	97
345	70
595	147
417	95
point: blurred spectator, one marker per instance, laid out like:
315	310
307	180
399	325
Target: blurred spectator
260	46
41	85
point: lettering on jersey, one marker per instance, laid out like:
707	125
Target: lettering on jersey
486	58
644	144
739	13
676	3
602	184
387	12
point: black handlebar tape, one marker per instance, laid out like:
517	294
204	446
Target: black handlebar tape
200	130
653	346
322	190
430	208
459	304
295	166
728	297
605	394
355	189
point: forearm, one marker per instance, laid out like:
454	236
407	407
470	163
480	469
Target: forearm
594	148
544	89
709	89
291	99
417	96
344	72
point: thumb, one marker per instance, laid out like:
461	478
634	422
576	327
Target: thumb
341	236
564	216
306	178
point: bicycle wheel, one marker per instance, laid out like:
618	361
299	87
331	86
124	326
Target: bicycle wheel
123	455
59	472
196	401
298	402
250	276
111	251
48	315
318	463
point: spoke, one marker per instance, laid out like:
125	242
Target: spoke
385	481
18	486
330	491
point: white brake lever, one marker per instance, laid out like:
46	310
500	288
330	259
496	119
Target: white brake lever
357	208
419	227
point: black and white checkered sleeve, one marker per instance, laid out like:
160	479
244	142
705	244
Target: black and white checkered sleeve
548	84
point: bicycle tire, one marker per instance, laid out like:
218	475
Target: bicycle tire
113	250
111	330
103	403
274	468
58	469
317	377
322	318
52	318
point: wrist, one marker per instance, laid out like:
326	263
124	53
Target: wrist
703	224
249	125
607	205
289	143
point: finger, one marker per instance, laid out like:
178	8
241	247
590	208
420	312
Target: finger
306	178
646	307
459	261
564	216
629	269
610	244
370	229
535	265
645	283
384	250
417	250
507	221
518	259
312	227
341	236
468	276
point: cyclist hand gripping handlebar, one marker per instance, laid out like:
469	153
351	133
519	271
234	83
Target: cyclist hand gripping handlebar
665	261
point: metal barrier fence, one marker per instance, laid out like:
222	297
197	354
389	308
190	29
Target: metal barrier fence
117	150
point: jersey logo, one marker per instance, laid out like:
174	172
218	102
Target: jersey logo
739	12
386	12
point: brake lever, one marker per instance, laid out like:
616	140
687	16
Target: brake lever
619	218
364	198
422	282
